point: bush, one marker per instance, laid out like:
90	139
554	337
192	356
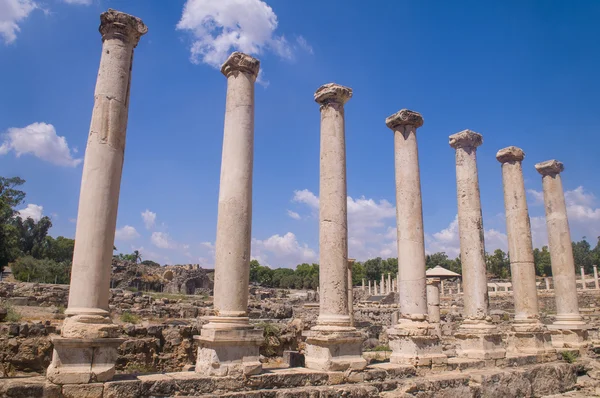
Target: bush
128	317
271	334
12	315
569	356
382	347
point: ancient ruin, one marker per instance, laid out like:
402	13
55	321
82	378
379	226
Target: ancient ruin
446	334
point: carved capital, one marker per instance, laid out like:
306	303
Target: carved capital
466	139
404	117
510	154
240	62
333	93
118	25
549	167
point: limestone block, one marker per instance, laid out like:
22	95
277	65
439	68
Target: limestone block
479	340
94	390
334	350
126	388
228	352
81	361
415	343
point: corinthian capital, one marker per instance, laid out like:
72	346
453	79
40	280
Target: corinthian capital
549	167
118	25
466	139
404	117
240	62
333	93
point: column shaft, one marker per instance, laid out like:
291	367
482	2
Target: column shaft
559	242
234	224
470	225
409	223
333	228
102	167
518	229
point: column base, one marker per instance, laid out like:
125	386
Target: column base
569	334
228	351
530	339
82	361
416	343
91	324
479	339
334	348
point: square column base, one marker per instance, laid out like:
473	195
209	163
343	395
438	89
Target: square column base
416	343
479	339
334	349
569	335
229	352
530	339
82	361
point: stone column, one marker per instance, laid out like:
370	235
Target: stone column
569	324
370	287
477	337
528	334
363	284
547	281
389	283
350	291
596	276
228	343
583	286
413	339
333	344
382	284
433	300
88	331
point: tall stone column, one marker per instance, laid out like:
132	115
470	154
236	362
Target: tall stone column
413	339
433	303
596	277
477	337
87	348
228	343
333	344
528	334
582	271
569	327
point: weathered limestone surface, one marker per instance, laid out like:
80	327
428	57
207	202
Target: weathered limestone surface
569	324
529	335
413	340
228	343
88	319
477	337
333	344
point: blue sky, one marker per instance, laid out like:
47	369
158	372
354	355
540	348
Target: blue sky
520	73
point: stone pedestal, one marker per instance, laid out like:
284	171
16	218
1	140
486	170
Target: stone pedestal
477	337
334	349
569	329
228	343
333	344
87	350
81	361
229	352
415	343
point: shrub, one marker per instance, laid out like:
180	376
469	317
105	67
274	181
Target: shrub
137	368
569	356
128	317
382	347
12	315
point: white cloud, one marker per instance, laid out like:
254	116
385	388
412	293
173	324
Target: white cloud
149	218
40	140
12	12
221	26
162	240
293	215
79	2
303	44
282	251
307	197
31	211
126	233
538	196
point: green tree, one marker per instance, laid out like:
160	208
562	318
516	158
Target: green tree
279	274
10	197
583	256
30	269
541	259
373	268
390	266
358	273
32	235
498	264
254	267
